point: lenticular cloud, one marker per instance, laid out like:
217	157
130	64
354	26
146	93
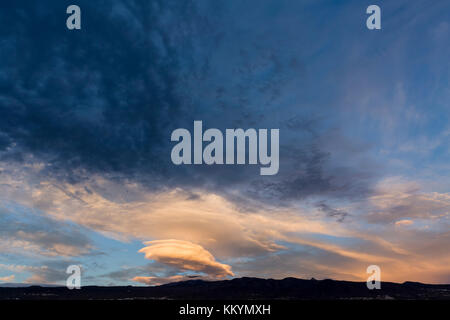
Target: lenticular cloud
185	255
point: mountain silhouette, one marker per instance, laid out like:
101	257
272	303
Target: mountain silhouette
238	289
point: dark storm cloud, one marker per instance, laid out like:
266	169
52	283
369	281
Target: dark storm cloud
99	98
106	98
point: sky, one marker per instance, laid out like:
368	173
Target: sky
86	118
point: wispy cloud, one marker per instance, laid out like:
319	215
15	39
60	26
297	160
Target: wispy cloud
8	278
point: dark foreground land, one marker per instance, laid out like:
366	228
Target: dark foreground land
242	288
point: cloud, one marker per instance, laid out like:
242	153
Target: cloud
185	255
396	198
25	231
49	272
20	268
8	278
133	213
125	211
172	63
404	222
340	215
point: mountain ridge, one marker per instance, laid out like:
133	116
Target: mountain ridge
246	288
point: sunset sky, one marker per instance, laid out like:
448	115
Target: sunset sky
86	117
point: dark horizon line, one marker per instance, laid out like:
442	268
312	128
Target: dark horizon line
53	285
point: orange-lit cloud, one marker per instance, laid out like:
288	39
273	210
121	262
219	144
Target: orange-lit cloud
404	222
8	278
185	256
263	241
